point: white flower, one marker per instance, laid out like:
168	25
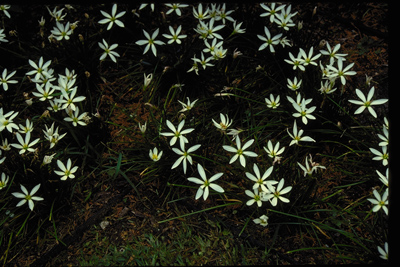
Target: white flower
384	137
284	22
259	182
206	183
294	85
6	120
177	133
174	36
276	193
27	197
27	128
255	197
155	155
69	99
175	7
239	151
39	69
271	11
67	171
263	220
75	118
224	15
273	151
339	72
384	155
308	59
295	61
47	159
108	51
327	87
45	93
273	102
199	14
384	179
25	145
143	127
234	133
3	36
297	136
380	202
211	47
304	112
62	31
332	53
150	42
237	29
5	145
204	62
147	79
188	106
194	67
52	136
4	180
57	14
209	31
5	79
224	124
269	42
4	9
184	155
113	18
366	102
310	169
384	252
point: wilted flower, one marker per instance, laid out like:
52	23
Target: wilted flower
263	220
188	106
224	124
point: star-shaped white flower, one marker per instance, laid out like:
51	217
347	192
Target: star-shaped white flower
27	196
206	183
177	133
240	151
150	42
113	18
366	102
67	171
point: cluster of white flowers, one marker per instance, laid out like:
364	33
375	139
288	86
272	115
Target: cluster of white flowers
59	92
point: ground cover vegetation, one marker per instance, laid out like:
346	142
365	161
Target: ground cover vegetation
188	134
